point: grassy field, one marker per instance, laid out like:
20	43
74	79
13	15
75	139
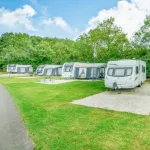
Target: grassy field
56	124
3	73
8	80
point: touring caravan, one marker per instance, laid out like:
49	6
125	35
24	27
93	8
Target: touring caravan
125	74
20	69
49	70
79	70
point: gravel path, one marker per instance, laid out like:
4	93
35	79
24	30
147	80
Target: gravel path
135	101
13	135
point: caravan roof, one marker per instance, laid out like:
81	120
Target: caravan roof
24	65
53	66
126	62
78	64
19	65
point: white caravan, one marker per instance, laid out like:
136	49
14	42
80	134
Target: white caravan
20	69
125	74
76	70
49	70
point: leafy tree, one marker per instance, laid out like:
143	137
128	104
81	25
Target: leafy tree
142	43
111	43
142	37
83	49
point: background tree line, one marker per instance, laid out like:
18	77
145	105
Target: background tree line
111	44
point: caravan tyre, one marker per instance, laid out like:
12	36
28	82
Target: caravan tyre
140	84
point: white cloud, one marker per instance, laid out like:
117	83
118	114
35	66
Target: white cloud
61	23
60	26
128	15
39	8
21	16
23	20
58	21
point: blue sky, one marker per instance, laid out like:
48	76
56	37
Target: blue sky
62	18
76	12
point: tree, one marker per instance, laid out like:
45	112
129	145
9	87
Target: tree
142	37
82	49
111	43
21	48
141	42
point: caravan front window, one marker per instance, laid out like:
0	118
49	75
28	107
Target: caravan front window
119	72
12	67
110	71
68	68
40	69
129	71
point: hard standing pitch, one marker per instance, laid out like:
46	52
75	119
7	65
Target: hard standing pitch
134	101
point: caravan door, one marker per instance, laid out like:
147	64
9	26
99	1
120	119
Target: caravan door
59	71
143	72
22	70
82	73
101	72
93	72
49	72
138	75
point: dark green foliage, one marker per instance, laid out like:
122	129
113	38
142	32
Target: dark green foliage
21	48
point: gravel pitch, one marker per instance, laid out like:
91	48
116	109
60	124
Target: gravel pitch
134	101
13	135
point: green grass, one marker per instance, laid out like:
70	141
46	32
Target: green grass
8	80
3	73
56	124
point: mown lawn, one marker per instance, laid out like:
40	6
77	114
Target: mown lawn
8	80
3	73
56	124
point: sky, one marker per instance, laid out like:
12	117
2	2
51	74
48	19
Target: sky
70	18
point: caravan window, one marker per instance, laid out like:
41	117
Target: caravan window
40	69
137	70
68	68
110	71
119	72
143	69
128	71
12	67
